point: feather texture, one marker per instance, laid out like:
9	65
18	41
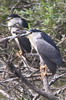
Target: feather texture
47	49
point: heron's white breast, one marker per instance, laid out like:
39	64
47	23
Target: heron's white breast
13	28
34	38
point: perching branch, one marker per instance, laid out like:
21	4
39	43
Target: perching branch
13	37
31	86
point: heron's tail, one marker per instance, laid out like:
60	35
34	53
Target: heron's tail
52	66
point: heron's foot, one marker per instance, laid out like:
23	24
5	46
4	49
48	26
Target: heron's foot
19	53
64	55
65	38
43	70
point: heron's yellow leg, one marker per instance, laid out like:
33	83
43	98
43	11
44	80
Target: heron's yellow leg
43	71
19	53
64	55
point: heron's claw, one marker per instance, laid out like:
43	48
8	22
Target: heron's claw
43	70
19	53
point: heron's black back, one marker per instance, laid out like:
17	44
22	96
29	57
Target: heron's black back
24	23
25	44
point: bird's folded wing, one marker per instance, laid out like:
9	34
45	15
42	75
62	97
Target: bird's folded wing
46	49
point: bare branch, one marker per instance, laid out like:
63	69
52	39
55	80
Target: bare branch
8	80
13	37
6	95
55	78
31	86
12	9
60	90
61	41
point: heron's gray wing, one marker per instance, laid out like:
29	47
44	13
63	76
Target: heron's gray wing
51	65
45	49
49	40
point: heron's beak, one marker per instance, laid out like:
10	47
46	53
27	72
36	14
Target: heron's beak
9	18
28	33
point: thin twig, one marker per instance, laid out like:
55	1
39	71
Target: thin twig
60	90
13	37
55	78
6	95
31	86
61	41
12	8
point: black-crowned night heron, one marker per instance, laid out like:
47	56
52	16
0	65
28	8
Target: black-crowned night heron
47	50
15	23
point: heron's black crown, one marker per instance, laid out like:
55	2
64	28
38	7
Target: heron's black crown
14	16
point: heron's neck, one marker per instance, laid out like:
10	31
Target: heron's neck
13	29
